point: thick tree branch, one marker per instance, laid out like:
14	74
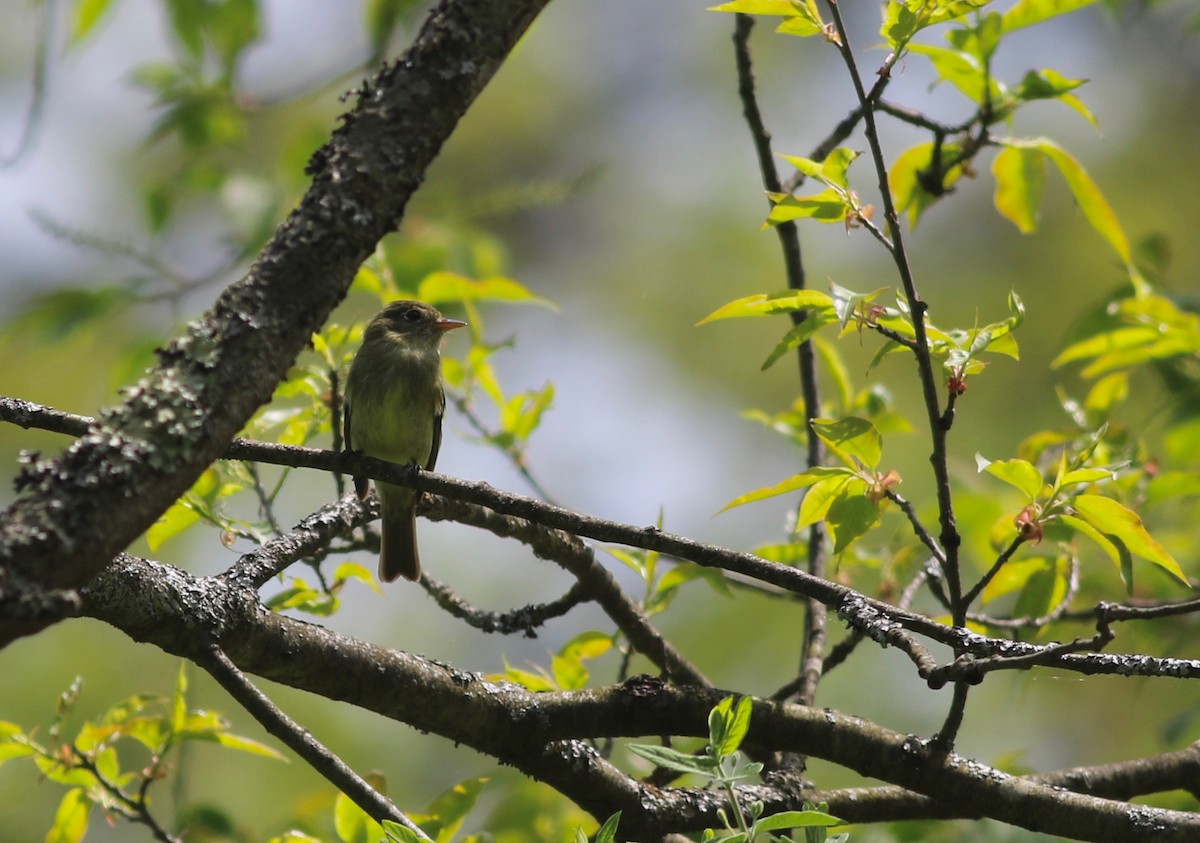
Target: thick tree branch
75	512
539	733
877	620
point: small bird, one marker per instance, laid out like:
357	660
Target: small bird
394	407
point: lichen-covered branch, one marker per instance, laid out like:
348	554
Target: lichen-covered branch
75	512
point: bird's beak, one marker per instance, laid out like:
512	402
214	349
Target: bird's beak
449	324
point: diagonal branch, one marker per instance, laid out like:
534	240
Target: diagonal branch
302	742
77	511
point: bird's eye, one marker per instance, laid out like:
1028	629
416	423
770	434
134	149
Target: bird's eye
412	315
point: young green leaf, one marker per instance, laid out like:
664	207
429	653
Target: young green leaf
1017	473
1115	519
1088	197
829	206
608	832
764	304
799	334
796	819
71	818
793	483
1029	12
727	726
1020	182
823	495
850	516
851	437
673	759
442	287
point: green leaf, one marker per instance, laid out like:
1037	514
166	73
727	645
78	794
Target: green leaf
536	682
1029	12
1020	182
832	170
399	833
84	17
608	831
179	699
1045	588
451	807
962	70
351	823
71	818
796	481
849	517
243	744
823	495
849	305
851	437
1086	475
796	819
727	726
764	304
1013	576
587	645
1115	519
187	24
781	8
828	206
1049	84
1017	473
673	759
1106	395
902	19
799	334
449	287
1088	197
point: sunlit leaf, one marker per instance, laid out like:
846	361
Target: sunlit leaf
71	819
1029	12
85	15
1013	576
1088	197
764	304
799	334
852	436
793	483
962	70
1017	473
673	759
828	206
449	287
1020	181
902	19
1113	518
796	819
727	725
823	495
608	832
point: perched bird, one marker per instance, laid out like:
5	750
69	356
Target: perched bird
394	407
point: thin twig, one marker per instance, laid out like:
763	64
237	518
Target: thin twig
813	646
949	538
525	619
301	742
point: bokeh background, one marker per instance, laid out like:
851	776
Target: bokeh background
624	116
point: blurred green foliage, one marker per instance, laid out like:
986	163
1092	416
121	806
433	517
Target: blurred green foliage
1099	456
